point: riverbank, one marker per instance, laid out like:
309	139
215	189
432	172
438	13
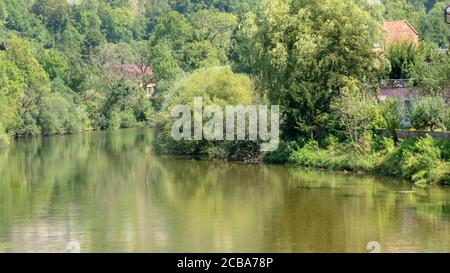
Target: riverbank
424	161
108	191
5	140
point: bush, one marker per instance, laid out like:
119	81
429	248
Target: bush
54	109
345	157
392	112
59	115
282	154
402	59
418	160
110	121
383	144
429	112
127	119
444	147
27	126
219	86
350	111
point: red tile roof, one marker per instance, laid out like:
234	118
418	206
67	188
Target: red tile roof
398	31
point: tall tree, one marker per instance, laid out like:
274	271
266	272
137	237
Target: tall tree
54	13
174	30
432	27
213	26
117	24
19	52
12	86
19	19
305	52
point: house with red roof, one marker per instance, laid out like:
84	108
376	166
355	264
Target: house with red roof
399	31
404	90
396	32
141	73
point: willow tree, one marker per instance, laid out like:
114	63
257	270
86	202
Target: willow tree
303	53
217	86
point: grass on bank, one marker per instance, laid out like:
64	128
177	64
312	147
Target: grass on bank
421	160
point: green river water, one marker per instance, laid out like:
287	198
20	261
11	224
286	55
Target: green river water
109	193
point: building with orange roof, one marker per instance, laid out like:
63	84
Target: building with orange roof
399	31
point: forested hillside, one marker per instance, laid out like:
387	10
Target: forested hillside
57	57
74	65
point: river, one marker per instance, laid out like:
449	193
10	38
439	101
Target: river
108	192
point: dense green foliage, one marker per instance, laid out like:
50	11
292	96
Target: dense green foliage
64	68
218	86
429	112
305	53
324	81
426	66
402	58
354	114
61	60
392	111
419	160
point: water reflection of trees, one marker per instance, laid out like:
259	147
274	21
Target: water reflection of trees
52	175
344	212
107	191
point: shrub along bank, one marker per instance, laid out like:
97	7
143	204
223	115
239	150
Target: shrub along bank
421	160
